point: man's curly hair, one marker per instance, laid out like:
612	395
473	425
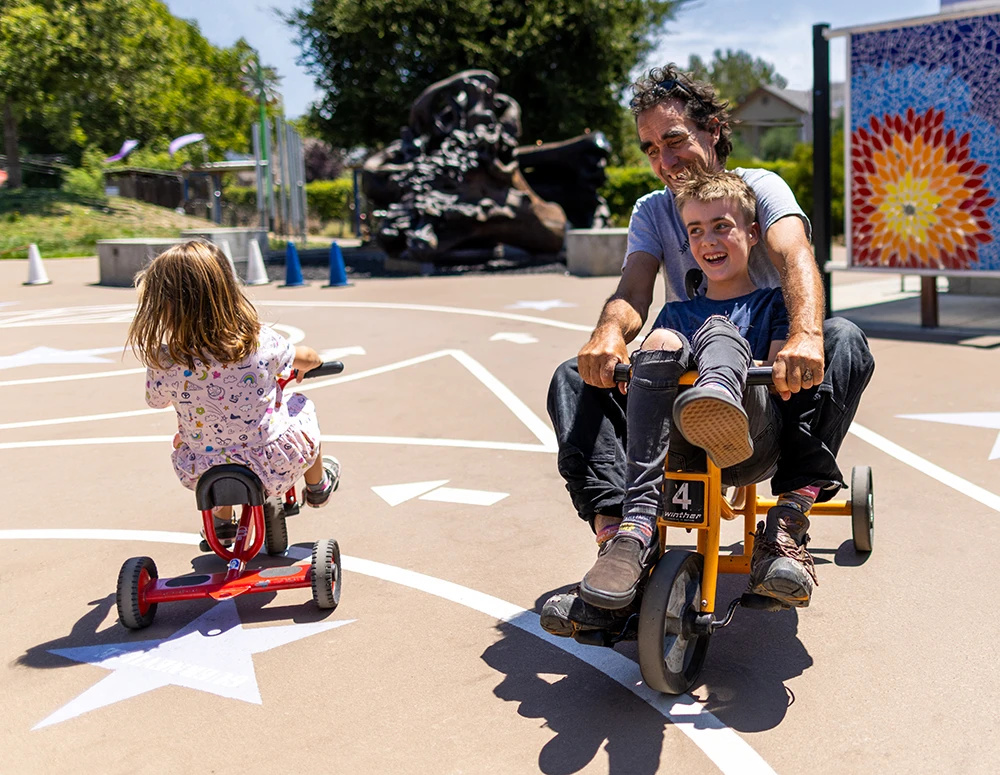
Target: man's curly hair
701	103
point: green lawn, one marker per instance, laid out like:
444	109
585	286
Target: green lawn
64	226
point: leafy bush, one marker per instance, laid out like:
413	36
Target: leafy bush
330	200
86	182
624	186
327	200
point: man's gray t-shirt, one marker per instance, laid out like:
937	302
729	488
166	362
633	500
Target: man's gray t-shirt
656	228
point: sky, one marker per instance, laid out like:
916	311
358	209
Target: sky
778	31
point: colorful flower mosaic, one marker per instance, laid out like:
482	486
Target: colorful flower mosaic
924	133
918	201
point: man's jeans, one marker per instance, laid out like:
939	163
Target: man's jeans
590	427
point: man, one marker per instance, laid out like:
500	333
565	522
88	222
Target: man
820	372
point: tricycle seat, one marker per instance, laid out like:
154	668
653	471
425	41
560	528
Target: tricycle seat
229	485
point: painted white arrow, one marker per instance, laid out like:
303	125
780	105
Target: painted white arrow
506	336
990	420
339	352
540	305
38	356
394	494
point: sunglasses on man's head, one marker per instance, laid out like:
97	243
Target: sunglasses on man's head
663	89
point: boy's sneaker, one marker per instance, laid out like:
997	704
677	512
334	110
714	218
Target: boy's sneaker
331	481
567	614
711	418
621	566
781	567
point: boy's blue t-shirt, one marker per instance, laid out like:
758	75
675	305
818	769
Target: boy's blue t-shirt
760	316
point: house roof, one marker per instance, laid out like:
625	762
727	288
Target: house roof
799	99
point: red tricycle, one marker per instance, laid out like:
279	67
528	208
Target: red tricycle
261	525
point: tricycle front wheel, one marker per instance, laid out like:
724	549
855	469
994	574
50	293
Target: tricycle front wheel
671	654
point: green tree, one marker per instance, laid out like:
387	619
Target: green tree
735	74
75	75
567	62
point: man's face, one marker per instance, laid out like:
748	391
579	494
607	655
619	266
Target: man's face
720	238
672	142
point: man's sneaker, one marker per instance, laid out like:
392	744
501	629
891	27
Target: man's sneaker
621	565
317	498
780	566
567	614
712	419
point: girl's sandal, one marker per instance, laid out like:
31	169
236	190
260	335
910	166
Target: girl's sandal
316	499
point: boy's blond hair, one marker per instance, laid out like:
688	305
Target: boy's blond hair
190	307
704	186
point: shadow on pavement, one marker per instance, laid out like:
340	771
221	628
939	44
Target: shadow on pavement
584	709
748	662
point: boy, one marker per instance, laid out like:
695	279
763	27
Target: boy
719	334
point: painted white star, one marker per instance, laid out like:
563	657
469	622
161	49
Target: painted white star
38	356
989	420
541	305
211	654
516	338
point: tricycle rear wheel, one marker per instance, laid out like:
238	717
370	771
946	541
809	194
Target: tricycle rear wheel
136	574
671	654
326	573
862	509
275	529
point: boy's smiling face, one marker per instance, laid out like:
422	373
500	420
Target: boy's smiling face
720	238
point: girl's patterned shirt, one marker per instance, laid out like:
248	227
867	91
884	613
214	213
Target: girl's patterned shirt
222	408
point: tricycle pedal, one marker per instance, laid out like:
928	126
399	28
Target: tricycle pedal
761	602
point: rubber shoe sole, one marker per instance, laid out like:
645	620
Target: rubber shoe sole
785	584
718	427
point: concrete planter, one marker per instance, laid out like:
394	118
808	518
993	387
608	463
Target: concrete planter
595	252
120	260
238	239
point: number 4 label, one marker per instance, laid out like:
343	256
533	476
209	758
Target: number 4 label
681	497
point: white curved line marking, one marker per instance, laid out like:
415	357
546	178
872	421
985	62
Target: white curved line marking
70	377
482	313
295	335
411	441
724	748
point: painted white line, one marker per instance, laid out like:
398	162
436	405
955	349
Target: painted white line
482	313
83	442
542	431
465	497
947	478
313	384
402	441
723	747
295	335
72	534
84	418
71	377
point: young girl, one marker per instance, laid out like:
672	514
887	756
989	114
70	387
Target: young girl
207	353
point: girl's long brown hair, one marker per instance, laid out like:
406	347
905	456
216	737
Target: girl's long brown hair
190	304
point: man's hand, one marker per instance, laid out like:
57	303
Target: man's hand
596	360
799	364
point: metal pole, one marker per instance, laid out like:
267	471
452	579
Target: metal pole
357	202
270	174
821	220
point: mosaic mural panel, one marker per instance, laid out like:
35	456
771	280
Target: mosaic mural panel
924	145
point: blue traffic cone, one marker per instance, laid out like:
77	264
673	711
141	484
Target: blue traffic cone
338	275
293	269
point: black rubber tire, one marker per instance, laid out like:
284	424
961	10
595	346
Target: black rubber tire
670	656
275	529
862	509
129	586
327	577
